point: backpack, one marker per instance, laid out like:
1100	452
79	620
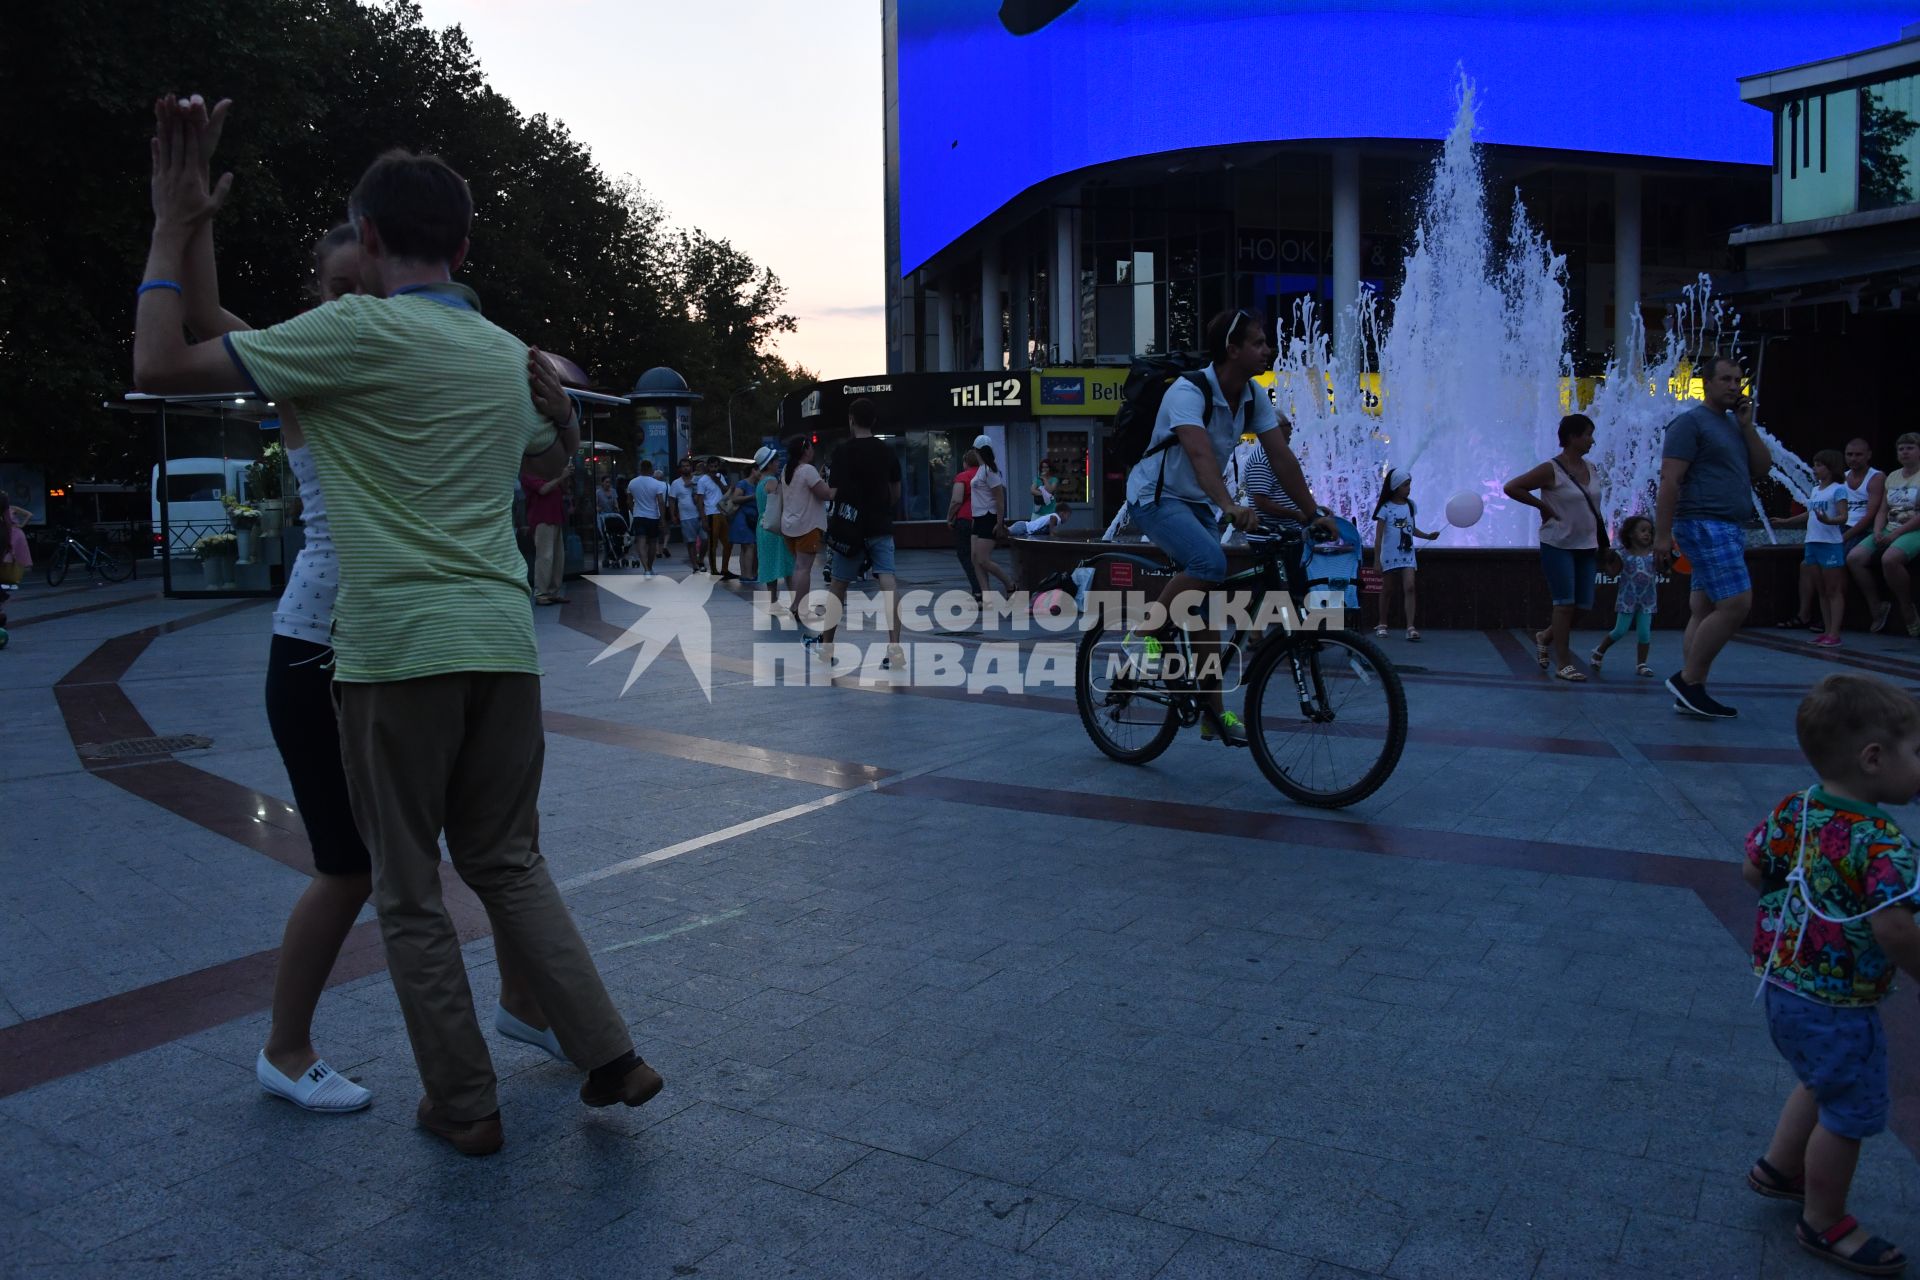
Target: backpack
1140	398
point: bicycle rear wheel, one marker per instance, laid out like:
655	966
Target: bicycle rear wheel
1326	716
57	566
1126	724
112	567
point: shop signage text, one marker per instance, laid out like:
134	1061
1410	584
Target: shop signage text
992	394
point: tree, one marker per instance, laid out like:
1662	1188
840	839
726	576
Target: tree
562	255
735	306
1884	133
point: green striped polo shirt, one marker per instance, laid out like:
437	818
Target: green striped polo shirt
417	412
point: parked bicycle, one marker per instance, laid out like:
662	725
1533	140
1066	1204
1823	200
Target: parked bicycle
1325	711
105	564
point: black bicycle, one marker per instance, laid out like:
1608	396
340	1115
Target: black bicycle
1325	713
104	564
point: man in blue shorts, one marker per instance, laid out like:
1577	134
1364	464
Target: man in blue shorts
1168	491
1712	458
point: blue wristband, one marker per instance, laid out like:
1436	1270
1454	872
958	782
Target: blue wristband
151	285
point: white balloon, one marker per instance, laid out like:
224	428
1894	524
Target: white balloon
1464	509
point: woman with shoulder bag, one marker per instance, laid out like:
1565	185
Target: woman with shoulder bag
803	512
1573	538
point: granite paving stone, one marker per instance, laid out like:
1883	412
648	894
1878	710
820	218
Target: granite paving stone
977	1022
997	1213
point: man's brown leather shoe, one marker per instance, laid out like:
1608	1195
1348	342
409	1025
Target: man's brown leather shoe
469	1137
639	1084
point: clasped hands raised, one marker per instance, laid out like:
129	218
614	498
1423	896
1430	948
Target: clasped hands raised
186	132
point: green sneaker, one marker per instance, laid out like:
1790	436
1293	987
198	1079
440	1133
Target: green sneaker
1142	654
1233	731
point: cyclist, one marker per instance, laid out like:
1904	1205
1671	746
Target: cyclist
1168	491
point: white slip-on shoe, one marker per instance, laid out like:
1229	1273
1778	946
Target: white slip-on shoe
318	1088
514	1029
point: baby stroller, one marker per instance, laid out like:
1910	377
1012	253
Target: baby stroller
616	542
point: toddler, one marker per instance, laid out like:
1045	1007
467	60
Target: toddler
1836	879
1635	602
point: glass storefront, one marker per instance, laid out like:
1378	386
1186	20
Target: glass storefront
929	460
223	507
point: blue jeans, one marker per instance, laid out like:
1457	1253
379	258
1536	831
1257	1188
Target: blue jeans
1186	531
1570	574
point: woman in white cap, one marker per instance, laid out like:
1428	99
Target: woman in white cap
988	491
1394	530
776	561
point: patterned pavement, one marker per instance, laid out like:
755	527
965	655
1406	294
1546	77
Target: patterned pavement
937	989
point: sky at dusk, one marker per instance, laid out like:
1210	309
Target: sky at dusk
758	121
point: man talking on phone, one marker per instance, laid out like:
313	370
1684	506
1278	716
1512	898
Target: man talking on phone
1712	457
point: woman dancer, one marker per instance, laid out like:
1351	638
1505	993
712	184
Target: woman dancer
300	714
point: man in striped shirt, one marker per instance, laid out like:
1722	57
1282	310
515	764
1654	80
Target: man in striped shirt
417	413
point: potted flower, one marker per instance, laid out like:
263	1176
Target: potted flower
265	479
217	553
245	521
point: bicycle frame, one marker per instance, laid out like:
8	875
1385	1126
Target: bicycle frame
1268	574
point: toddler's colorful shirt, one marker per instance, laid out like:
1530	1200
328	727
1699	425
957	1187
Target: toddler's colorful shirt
1856	859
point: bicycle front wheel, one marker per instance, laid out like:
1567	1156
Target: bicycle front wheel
57	566
112	567
1326	716
1125	718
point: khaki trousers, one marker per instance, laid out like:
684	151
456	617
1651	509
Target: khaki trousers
461	755
549	559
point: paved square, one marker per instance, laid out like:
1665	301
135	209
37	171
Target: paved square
937	989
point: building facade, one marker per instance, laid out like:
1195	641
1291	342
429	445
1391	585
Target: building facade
1074	183
1831	280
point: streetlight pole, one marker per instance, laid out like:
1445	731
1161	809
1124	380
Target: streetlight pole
751	386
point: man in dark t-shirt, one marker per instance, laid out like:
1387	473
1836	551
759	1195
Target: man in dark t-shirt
866	489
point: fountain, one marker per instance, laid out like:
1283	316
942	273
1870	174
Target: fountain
1474	373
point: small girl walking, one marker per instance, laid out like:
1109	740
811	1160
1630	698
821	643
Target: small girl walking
1394	530
1824	560
1634	604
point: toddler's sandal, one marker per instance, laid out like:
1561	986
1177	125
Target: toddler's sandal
1770	1182
1643	670
1876	1257
1596	658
